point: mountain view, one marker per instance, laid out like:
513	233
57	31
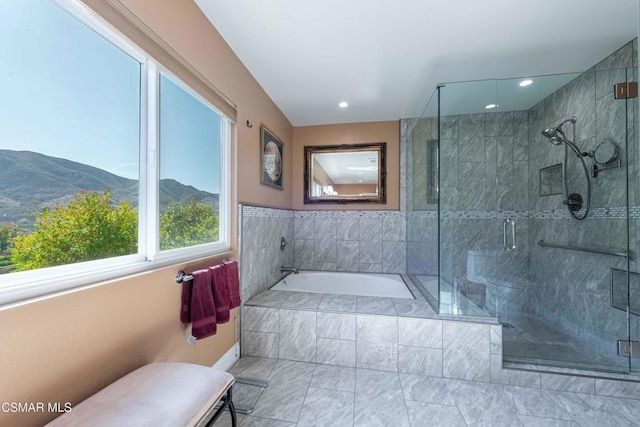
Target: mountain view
29	181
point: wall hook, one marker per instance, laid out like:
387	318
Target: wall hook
249	125
283	243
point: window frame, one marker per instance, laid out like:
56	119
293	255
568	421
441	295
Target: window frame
20	286
154	251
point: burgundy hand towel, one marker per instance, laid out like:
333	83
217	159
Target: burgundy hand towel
203	310
221	292
185	309
234	284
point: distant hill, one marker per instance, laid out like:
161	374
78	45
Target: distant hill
28	179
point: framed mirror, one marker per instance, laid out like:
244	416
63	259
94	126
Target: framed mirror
354	173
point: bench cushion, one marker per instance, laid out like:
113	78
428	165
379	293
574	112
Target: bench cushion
159	394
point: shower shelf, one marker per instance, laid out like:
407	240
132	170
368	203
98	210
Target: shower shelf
622	253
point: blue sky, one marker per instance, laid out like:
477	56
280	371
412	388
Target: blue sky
67	92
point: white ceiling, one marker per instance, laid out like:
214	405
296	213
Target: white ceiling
385	57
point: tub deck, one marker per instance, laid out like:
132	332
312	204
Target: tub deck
418	307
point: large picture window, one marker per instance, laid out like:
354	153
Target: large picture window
106	159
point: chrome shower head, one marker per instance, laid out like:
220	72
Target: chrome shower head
556	136
552	135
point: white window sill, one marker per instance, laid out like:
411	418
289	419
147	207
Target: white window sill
19	288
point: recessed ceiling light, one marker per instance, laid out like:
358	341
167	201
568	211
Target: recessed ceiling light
343	104
525	83
362	168
491	106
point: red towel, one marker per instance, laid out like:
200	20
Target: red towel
203	310
220	287
185	309
234	284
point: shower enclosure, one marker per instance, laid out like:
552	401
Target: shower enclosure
522	204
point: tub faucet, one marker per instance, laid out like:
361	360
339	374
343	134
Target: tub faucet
284	269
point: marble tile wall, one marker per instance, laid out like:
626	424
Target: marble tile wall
261	256
421	219
366	241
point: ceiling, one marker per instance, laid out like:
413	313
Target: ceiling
385	57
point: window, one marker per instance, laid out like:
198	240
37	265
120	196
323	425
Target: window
189	165
107	161
316	189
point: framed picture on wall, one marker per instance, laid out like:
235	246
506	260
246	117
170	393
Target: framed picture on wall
271	158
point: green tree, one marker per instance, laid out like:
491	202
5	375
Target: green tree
87	228
7	233
188	224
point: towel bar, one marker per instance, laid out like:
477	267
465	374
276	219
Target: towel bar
182	277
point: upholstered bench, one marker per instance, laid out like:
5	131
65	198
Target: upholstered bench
159	394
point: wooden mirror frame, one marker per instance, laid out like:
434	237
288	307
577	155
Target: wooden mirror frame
379	147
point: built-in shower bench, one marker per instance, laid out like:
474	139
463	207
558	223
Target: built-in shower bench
158	394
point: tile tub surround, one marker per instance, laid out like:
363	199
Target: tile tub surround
313	394
261	257
350	241
331	330
413	345
355	241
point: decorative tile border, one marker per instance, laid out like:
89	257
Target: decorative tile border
595	213
616	212
266	212
483	214
350	214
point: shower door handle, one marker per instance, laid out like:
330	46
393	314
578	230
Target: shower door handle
505	227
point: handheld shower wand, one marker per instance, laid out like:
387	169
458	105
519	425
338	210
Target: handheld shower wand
574	201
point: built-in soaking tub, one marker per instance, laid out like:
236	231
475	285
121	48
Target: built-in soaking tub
360	284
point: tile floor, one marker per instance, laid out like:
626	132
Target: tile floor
308	394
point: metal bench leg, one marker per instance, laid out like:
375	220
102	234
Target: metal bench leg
234	416
226	402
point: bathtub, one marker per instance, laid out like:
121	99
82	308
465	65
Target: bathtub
360	284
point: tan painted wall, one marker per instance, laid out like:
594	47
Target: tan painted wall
67	347
350	189
351	133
